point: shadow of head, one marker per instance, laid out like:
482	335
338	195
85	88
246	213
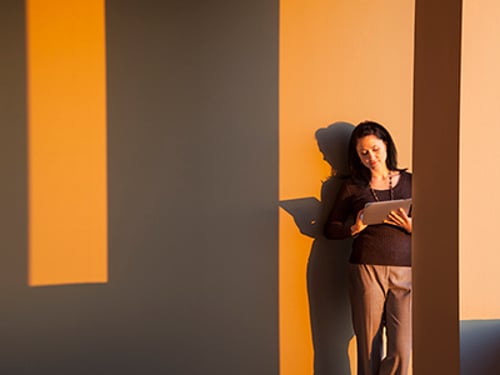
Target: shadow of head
333	142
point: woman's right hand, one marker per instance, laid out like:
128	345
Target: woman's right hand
358	225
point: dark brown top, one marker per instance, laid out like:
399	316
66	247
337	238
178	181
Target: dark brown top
381	244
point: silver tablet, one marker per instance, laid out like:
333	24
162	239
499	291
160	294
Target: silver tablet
376	212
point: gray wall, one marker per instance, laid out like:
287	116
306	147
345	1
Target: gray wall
479	347
193	186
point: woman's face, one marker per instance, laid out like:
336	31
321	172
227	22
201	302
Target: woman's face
373	152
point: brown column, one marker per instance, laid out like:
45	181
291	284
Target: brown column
436	193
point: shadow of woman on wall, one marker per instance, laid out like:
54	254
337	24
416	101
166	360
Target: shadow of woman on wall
329	308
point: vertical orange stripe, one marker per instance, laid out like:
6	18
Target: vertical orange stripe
67	141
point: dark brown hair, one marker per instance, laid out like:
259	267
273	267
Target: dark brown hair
359	172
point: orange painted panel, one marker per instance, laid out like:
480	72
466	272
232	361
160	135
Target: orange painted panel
479	156
67	142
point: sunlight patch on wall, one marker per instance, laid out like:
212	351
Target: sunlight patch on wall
479	155
66	71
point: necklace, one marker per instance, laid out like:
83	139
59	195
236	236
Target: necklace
391	193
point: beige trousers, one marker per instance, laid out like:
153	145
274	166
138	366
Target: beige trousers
381	297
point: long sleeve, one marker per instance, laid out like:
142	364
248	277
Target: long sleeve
335	227
381	244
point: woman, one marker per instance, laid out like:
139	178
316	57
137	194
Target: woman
380	262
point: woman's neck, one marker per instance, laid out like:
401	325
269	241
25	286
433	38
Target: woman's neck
380	174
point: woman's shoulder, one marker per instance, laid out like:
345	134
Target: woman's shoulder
352	185
405	182
405	174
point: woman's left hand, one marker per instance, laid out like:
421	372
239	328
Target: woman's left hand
400	219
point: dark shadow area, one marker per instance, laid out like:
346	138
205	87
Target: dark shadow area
327	265
193	181
479	347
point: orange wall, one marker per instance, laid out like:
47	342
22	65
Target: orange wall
67	141
339	61
480	131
